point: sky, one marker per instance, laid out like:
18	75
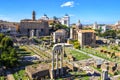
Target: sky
87	11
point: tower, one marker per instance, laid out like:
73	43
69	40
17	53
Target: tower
33	16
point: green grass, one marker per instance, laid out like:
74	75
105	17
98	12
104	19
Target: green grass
78	55
97	53
2	78
82	74
20	75
98	69
24	50
77	76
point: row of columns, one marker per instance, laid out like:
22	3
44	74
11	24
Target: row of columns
57	50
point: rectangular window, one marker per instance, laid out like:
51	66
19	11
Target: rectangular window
65	22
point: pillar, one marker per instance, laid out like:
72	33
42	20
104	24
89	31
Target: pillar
71	33
52	70
57	70
37	33
61	62
32	33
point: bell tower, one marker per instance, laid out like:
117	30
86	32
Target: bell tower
33	16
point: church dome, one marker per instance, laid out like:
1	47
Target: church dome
79	25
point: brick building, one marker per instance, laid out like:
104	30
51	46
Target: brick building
33	27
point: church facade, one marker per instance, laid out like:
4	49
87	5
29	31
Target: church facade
33	27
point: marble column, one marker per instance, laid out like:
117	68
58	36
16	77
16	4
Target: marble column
61	62
52	70
57	70
37	33
32	33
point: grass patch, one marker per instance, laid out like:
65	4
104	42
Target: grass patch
78	55
20	75
98	69
25	51
97	53
2	78
80	75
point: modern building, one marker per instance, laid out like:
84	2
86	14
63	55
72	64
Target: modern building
33	27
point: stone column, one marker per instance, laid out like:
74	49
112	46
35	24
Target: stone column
52	70
37	33
71	33
61	62
32	33
54	37
57	70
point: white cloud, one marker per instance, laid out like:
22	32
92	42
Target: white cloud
68	4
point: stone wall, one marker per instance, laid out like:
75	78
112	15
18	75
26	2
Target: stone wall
27	26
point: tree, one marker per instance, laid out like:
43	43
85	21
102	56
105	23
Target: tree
6	42
9	58
99	31
110	33
8	55
1	36
77	45
4	58
58	26
1	48
13	52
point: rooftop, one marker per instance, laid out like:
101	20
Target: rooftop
83	31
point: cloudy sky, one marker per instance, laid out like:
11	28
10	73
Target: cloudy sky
88	11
